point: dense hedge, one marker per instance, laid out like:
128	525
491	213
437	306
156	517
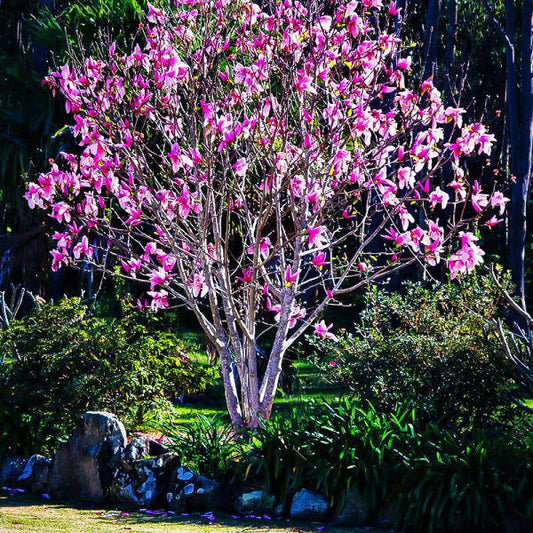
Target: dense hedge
432	345
61	361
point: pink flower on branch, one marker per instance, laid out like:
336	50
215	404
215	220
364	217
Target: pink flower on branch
317	237
323	331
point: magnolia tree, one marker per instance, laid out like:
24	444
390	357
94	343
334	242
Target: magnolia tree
257	163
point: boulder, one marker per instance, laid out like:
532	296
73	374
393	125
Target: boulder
354	512
142	447
34	477
191	492
10	470
309	506
136	449
143	483
255	502
84	467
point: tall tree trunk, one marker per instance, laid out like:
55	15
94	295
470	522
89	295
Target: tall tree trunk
520	112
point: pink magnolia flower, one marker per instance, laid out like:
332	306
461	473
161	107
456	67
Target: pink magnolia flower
305	84
317	237
179	159
158	277
61	212
346	214
406	178
247	275
240	167
159	300
198	285
33	196
273	308
290	276
82	249
264	247
498	200
320	260
479	200
439	196
459	188
493	221
467	257
323	331
58	260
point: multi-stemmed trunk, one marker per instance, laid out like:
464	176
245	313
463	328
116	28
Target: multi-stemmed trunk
249	400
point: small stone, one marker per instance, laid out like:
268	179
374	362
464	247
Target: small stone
193	493
34	477
309	506
136	449
184	474
255	502
144	482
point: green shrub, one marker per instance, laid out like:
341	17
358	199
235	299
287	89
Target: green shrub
467	484
276	454
430	478
432	346
333	448
206	444
60	361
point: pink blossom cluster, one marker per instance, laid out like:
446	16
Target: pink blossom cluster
237	158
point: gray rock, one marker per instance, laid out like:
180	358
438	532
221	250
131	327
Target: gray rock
34	477
143	483
354	512
156	448
84	467
309	506
142	447
191	492
10	470
255	502
136	449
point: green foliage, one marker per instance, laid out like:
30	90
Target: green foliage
430	345
468	485
206	444
430	478
81	22
60	361
276	455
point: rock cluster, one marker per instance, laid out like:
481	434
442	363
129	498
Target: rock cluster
98	465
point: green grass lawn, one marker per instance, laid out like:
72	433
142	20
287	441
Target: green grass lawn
308	386
30	515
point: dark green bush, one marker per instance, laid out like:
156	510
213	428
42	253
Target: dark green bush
61	361
430	478
432	346
466	484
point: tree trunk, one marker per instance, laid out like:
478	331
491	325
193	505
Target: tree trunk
520	112
230	388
